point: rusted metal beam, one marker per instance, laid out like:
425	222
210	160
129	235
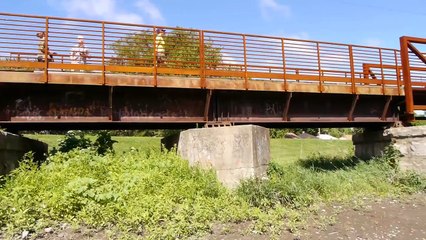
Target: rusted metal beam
289	95
417	52
386	107
111	103
207	105
352	109
420	107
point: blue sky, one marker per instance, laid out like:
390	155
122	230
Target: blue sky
364	22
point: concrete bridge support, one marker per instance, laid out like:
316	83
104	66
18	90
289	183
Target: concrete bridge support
235	152
13	147
409	141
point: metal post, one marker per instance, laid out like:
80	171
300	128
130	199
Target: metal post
245	63
381	71
103	54
351	60
284	64
155	56
202	60
405	62
319	69
398	76
46	51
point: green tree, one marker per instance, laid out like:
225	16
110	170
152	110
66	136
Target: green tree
182	49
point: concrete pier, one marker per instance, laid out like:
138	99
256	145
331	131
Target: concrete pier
235	152
13	147
409	141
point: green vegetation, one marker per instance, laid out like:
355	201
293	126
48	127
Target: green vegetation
78	140
139	191
182	48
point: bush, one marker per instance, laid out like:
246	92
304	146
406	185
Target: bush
152	193
103	143
73	140
77	140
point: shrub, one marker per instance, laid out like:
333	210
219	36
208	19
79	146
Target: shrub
77	140
104	143
73	140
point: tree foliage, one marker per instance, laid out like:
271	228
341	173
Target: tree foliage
182	48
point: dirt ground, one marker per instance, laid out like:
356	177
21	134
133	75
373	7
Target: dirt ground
371	219
385	219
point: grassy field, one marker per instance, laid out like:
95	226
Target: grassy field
282	150
290	150
123	143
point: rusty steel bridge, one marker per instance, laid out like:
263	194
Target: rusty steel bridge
207	77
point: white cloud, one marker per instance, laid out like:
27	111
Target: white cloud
149	8
111	10
299	35
228	59
374	42
270	8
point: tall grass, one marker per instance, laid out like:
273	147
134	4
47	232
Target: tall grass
153	194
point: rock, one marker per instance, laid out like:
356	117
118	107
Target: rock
64	225
291	136
48	230
25	234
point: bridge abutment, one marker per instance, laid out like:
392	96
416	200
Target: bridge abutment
409	141
235	153
13	147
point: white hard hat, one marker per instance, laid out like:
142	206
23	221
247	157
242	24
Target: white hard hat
80	37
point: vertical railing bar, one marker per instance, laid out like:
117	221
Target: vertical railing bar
245	63
382	71
202	59
103	54
352	66
46	51
397	71
319	69
284	64
154	34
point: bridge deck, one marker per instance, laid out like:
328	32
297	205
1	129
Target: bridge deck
165	81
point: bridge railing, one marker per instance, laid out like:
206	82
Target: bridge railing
118	48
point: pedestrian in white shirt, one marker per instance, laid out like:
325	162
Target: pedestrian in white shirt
79	53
